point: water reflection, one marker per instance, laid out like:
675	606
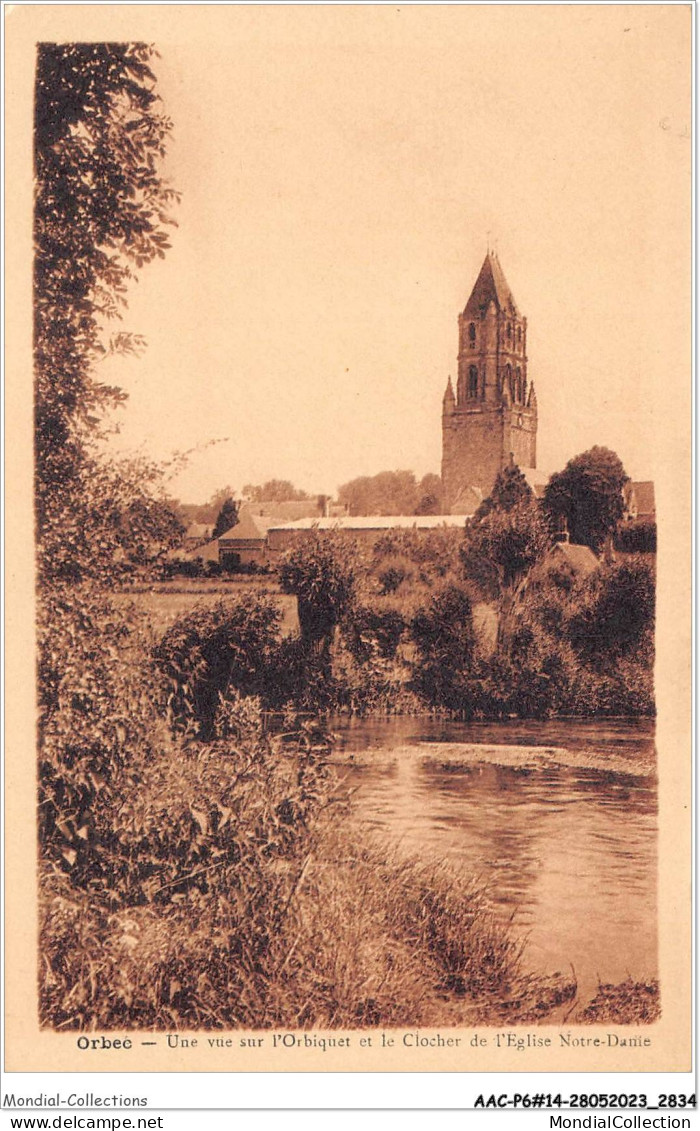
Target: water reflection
563	833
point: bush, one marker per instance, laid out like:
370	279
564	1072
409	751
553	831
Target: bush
215	649
615	614
209	849
443	632
322	573
636	538
393	573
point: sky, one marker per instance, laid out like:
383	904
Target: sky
341	171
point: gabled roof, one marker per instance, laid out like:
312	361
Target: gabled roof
641	494
208	553
248	528
200	530
581	558
491	286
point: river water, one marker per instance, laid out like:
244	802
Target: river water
558	819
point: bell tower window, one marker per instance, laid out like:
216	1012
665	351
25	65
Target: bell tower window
473	381
472	335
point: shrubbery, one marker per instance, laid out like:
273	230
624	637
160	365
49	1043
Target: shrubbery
231	645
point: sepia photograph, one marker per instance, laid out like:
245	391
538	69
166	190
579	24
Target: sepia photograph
351	441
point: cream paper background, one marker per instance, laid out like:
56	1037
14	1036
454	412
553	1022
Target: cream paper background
661	238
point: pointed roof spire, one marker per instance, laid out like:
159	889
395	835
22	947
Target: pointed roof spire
448	400
491	286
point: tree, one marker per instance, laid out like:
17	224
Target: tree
274	491
226	518
510	489
321	572
445	639
588	495
388	492
499	550
100	211
430	495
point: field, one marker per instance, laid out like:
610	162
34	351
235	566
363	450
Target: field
164	603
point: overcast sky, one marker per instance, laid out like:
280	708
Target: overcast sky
340	170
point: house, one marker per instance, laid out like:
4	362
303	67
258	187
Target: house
245	543
640	502
197	534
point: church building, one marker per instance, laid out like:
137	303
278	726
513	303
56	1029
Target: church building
492	417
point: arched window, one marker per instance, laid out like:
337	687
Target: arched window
519	384
473	381
472	332
520	334
509	332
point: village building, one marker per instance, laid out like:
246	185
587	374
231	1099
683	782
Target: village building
366	529
640	502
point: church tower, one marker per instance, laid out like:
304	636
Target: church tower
493	412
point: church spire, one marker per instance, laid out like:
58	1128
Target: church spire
448	401
491	286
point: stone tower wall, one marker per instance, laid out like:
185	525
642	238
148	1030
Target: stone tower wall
494	412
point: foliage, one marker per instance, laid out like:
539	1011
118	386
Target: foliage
208	849
274	491
120	523
393	573
100	210
636	538
430	498
206	513
435	552
392	492
510	489
615	614
500	548
322	572
588	495
443	632
95	707
214	650
226	518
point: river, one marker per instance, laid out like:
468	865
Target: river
558	820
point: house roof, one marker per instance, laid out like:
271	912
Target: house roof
209	552
581	558
376	522
643	495
199	530
536	479
249	527
491	286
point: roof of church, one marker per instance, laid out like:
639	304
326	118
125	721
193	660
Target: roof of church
491	286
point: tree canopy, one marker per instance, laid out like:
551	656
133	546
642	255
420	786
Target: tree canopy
588	495
101	211
274	491
226	518
510	489
392	492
